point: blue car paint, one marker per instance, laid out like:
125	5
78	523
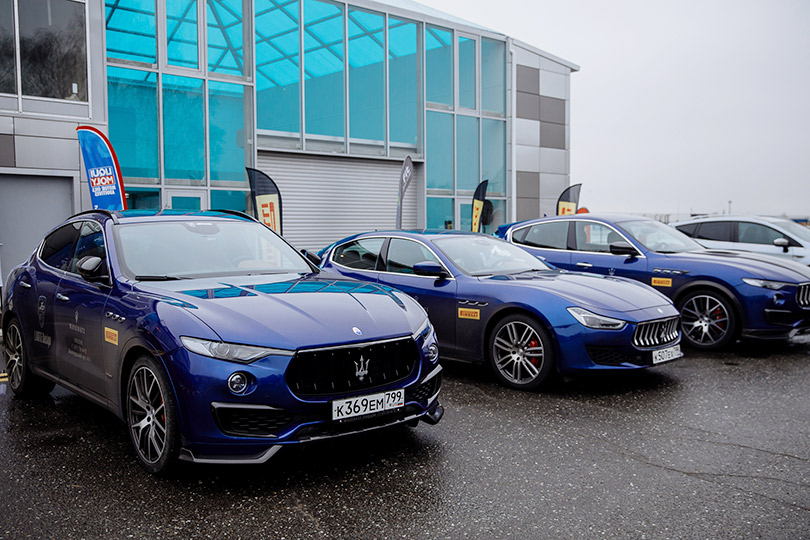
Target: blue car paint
544	295
722	270
285	311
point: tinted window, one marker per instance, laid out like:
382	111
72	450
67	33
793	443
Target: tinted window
403	254
8	67
546	235
361	254
688	230
595	236
90	244
715	230
58	247
754	233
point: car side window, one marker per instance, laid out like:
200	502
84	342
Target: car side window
57	249
689	229
595	237
361	254
404	254
754	233
90	244
552	235
715	230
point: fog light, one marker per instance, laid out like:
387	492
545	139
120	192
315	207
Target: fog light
238	383
433	353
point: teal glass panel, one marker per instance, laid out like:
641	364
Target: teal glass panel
439	213
142	198
226	37
498	216
131	30
323	68
183	130
133	114
467	173
226	131
366	75
403	80
466	72
229	200
181	33
180	202
493	155
439	152
8	56
439	65
493	76
278	101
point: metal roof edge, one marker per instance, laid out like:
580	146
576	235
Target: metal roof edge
544	54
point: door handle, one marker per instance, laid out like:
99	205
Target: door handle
584	265
25	285
62	297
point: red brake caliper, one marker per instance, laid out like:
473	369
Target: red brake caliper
717	314
532	344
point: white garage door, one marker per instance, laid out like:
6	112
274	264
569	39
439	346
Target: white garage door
325	199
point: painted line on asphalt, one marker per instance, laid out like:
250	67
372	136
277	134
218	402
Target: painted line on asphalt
4	377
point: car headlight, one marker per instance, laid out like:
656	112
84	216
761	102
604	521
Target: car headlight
592	320
766	283
424	329
233	352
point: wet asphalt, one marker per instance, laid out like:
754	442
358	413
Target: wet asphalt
711	446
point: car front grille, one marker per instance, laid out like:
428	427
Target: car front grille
803	295
656	333
610	356
249	421
349	369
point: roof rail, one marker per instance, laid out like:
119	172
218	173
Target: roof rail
109	213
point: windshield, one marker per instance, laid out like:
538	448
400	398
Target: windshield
485	256
793	228
181	249
658	237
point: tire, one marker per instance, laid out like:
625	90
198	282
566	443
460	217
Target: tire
708	320
151	416
521	352
20	378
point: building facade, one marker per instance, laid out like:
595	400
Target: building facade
326	97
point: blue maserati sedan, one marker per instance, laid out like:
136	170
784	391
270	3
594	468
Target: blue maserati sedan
492	302
721	295
213	339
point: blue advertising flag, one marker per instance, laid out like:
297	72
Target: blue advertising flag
103	171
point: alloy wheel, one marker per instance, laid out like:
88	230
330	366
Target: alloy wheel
147	414
14	365
518	352
705	320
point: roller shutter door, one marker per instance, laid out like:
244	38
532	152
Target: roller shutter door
327	198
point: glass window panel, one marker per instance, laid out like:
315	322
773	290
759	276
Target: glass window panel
183	130
226	37
439	155
133	114
323	68
467	173
715	230
595	237
8	56
493	76
53	55
361	254
278	102
439	65
131	30
466	72
497	216
493	155
142	198
229	200
439	213
366	76
403	255
181	202
226	131
403	80
181	33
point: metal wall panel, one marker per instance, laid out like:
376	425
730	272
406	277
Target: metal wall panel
551	185
528	159
35	127
528	131
528	80
553	160
552	135
553	85
7	125
6	150
327	198
43	153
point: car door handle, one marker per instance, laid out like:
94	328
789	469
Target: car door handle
62	297
25	285
584	265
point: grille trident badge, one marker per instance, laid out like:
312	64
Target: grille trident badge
362	368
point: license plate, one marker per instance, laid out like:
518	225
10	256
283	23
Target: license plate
665	355
370	404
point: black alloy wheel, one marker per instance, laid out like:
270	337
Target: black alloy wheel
521	352
20	378
708	320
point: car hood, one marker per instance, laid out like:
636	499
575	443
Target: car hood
755	265
293	312
606	295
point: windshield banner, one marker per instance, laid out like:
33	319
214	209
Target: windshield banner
266	198
103	172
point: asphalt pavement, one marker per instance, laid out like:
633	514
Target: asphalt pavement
711	446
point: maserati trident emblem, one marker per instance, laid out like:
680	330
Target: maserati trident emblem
357	331
362	368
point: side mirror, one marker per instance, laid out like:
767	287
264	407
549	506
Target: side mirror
623	248
782	243
429	268
90	268
311	257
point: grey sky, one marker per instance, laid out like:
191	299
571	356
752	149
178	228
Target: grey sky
679	106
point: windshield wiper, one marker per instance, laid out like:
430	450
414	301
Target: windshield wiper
159	278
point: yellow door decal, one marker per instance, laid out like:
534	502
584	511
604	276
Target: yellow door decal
474	314
111	336
661	282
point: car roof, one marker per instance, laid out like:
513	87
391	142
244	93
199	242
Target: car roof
141	216
727	217
607	217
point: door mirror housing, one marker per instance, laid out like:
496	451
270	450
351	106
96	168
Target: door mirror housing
623	248
91	268
782	243
429	268
311	257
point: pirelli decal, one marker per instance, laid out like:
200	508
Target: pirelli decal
467	313
661	282
111	336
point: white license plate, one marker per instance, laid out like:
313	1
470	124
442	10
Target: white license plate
362	405
665	355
